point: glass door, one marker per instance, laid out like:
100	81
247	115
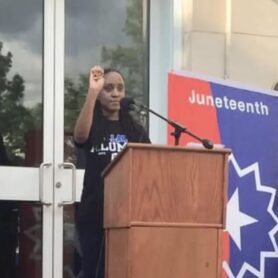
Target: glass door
67	181
26	141
35	182
46	51
113	34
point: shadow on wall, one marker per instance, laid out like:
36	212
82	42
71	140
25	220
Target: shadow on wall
275	86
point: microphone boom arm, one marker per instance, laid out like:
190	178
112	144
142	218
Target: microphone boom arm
178	129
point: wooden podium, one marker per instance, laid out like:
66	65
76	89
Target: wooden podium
164	211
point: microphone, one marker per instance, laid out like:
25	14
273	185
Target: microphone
127	104
207	144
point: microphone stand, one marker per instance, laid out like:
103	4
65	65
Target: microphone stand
178	129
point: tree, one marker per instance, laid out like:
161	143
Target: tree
74	98
15	119
129	60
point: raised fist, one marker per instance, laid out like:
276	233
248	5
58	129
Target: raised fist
96	79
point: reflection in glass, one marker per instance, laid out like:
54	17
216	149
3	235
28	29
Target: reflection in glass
71	251
111	34
20	234
30	240
21	80
20	240
8	239
20	131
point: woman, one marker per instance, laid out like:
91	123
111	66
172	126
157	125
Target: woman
102	129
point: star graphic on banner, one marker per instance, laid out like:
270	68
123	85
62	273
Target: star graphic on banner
233	211
236	219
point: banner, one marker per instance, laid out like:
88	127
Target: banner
246	121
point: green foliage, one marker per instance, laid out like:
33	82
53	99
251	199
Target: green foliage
74	98
134	21
130	60
15	119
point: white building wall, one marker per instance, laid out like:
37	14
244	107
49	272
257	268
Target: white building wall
234	39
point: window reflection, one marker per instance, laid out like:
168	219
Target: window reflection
109	33
21	79
20	131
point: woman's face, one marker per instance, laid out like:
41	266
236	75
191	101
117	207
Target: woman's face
113	91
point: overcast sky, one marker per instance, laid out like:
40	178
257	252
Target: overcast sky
89	24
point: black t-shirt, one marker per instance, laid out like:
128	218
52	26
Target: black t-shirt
100	151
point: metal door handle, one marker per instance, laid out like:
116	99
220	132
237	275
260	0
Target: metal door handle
41	183
68	165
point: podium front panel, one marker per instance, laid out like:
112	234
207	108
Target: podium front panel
167	185
164	252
